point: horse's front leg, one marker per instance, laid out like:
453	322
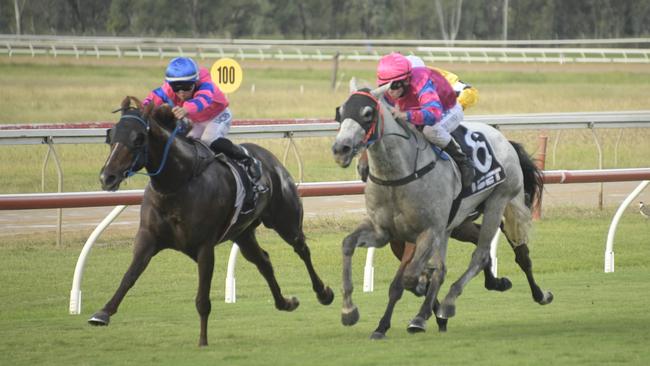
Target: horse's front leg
365	236
416	277
435	271
394	292
143	250
205	261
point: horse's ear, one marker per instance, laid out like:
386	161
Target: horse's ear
378	92
353	85
138	103
126	103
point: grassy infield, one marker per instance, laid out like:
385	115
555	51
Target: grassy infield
596	318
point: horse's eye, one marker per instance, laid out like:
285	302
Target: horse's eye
139	140
367	113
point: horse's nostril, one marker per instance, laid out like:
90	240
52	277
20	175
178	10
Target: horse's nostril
107	180
341	149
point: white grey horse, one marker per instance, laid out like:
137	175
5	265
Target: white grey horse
411	197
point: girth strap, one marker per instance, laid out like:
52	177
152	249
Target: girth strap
408	179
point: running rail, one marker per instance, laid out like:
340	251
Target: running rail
340	188
134	197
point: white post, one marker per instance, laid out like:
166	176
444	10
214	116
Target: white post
231	290
609	246
493	252
369	271
75	293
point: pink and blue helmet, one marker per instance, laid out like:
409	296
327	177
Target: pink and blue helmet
393	67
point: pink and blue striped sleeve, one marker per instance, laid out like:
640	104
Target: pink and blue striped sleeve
430	110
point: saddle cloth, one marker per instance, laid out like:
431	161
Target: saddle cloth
489	172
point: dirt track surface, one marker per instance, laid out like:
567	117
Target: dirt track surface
43	221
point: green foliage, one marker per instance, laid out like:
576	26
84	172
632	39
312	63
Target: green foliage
595	318
311	19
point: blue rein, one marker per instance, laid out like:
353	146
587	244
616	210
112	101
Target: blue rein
172	136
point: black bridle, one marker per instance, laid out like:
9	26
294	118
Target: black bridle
138	147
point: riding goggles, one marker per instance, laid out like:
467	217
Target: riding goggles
182	86
397	84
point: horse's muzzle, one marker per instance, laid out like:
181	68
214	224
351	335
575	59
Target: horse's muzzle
110	182
343	154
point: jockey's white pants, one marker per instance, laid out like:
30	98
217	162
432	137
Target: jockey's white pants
439	133
212	129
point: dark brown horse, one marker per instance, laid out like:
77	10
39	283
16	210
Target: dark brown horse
190	205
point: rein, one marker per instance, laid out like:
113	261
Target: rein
143	151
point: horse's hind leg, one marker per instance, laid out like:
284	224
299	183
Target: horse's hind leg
494	208
252	251
297	241
143	251
468	231
516	226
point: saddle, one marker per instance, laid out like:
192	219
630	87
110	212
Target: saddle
247	195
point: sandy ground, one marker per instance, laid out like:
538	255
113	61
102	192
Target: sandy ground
43	221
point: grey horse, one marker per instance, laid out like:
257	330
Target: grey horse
411	196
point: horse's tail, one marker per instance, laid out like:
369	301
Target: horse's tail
533	179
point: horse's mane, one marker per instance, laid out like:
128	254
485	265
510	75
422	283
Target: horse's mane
163	116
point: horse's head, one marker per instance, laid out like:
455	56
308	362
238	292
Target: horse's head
361	123
128	143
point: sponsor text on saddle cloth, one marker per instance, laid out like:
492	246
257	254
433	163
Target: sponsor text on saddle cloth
489	172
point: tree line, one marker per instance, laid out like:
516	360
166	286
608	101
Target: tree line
334	19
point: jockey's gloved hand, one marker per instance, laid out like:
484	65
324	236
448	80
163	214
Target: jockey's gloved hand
184	126
399	115
363	169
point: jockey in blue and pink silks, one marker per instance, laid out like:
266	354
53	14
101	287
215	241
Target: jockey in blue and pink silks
423	97
193	96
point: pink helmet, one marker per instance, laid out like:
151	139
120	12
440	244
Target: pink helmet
392	67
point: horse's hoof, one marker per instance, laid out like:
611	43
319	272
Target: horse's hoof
417	325
442	325
100	318
446	311
501	285
349	318
291	304
377	336
547	299
326	297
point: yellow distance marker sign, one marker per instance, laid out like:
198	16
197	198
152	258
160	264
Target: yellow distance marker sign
227	74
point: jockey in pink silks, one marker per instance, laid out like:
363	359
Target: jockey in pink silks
193	96
424	98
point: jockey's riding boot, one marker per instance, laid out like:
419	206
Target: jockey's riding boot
252	165
463	162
